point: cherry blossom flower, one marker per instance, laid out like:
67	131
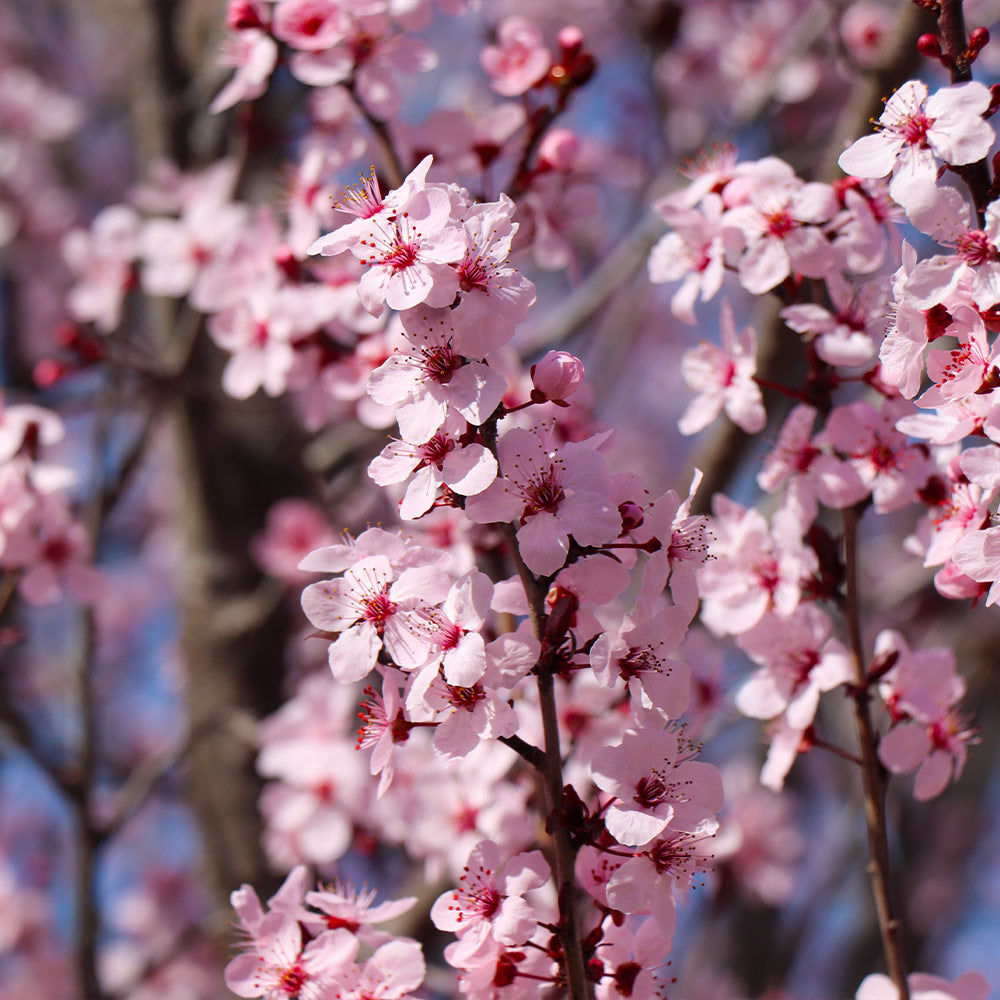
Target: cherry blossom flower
370	606
489	902
656	784
555	495
254	54
887	463
393	970
799	661
693	253
342	905
914	128
723	379
969	986
277	966
429	376
519	59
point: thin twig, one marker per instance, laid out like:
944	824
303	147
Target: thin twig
872	773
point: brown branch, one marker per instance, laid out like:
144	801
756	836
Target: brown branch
872	773
955	49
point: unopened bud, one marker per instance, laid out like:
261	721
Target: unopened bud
48	372
979	38
558	375
929	46
559	150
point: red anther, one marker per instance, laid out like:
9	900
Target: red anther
929	46
49	371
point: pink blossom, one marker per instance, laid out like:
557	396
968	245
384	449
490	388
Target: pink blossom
102	258
969	986
849	335
558	375
640	654
370	56
754	569
693	253
810	474
921	691
650	881
443	461
977	555
555	494
428	376
341	905
781	226
656	784
723	379
312	25
277	966
519	58
395	968
370	606
799	661
254	54
913	129
489	902
887	463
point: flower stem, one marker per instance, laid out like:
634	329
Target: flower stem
872	773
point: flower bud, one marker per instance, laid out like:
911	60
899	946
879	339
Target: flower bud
243	14
558	375
929	46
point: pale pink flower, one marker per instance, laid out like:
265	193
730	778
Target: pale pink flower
781	225
254	54
370	606
914	128
312	25
849	335
753	569
962	371
921	691
650	881
554	494
811	474
518	60
922	986
693	253
489	902
341	905
973	267
373	52
102	258
977	555
407	255
887	463
294	528
723	379
558	375
442	461
429	375
393	970
640	654
656	783
799	661
277	966
492	296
